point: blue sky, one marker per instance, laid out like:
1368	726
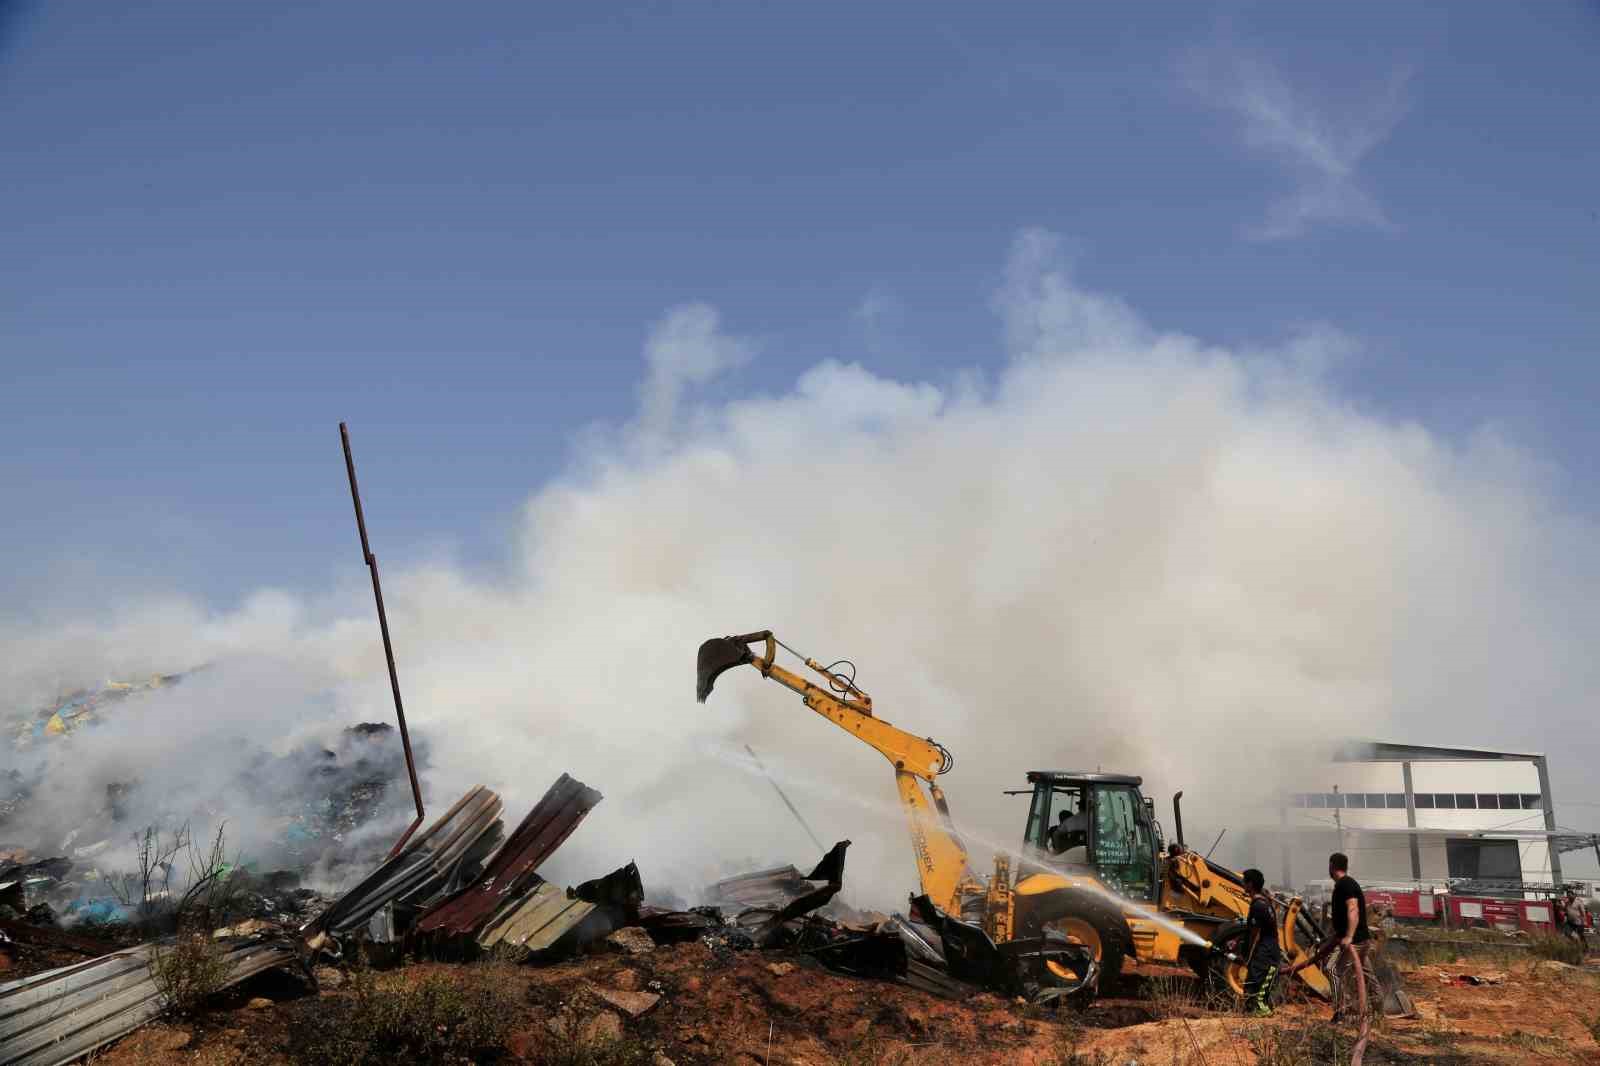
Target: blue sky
228	226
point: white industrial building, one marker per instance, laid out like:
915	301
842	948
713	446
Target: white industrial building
1409	813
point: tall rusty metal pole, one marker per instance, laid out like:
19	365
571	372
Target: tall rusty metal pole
388	647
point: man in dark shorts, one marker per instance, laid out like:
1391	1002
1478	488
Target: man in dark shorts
1263	955
1350	939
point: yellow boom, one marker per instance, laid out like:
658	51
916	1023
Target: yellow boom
942	863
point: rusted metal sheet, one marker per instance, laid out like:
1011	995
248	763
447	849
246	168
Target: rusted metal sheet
677	927
513	870
60	1015
537	920
423	869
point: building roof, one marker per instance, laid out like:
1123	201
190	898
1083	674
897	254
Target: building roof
1386	751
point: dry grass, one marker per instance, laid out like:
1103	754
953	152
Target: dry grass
1546	1047
439	1020
1171	996
1430	945
1312	1044
1558	948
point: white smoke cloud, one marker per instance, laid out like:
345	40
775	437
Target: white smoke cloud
1122	549
685	348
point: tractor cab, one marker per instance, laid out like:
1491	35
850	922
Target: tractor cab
1094	823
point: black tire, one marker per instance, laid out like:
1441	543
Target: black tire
1223	978
1110	928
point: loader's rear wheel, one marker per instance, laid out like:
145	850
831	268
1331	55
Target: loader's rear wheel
1083	919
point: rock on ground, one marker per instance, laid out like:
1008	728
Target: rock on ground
633	1004
631	940
603	1028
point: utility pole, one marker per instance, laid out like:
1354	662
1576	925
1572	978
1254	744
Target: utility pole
1338	821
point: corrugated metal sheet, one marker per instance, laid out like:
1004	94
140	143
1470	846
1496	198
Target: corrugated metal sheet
537	920
772	888
60	1015
423	869
784	890
512	871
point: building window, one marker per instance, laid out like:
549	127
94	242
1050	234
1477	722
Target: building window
1375	801
1315	800
1466	801
1510	801
1423	800
1531	802
1355	800
1445	801
1396	801
1488	801
1332	800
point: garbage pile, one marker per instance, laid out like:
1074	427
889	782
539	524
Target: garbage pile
63	867
78	708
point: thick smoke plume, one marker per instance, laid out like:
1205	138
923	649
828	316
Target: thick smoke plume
1123	549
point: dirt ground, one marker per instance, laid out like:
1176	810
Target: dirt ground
766	1009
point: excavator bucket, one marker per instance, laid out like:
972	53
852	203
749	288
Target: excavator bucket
717	656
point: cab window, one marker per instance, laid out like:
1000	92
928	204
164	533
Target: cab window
1046	830
1124	850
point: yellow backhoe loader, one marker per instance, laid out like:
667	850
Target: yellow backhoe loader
1102	882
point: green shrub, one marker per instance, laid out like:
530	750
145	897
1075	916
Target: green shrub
189	971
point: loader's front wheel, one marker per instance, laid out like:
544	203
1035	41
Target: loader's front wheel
1223	978
1084	919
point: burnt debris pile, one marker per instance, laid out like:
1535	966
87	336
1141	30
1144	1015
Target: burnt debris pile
460	888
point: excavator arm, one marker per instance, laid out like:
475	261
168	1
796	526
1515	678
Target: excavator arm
946	874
